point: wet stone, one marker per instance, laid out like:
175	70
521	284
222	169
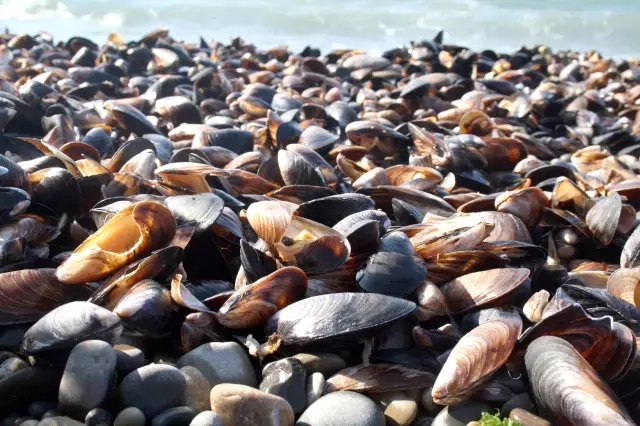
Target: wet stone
225	362
128	358
50	413
37	408
287	379
178	416
153	389
97	417
130	416
86	377
342	409
522	400
428	404
527	418
60	421
206	418
196	394
461	414
240	405
315	387
321	362
399	408
30	422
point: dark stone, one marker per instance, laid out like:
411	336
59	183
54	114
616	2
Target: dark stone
178	416
286	378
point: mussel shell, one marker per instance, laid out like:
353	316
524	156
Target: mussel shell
312	320
70	324
363	235
325	254
331	210
202	209
59	191
391	274
602	219
566	388
379	378
255	263
146	308
448	266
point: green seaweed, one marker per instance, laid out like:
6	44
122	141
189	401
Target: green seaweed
488	419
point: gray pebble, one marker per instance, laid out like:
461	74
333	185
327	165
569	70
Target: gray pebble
206	418
31	422
196	394
60	421
342	409
130	416
50	413
461	414
22	420
128	358
10	366
153	388
97	417
86	377
37	408
315	386
428	404
286	378
178	416
321	362
221	362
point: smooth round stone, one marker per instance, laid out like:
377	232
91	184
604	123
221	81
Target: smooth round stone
50	413
240	405
206	418
128	358
196	393
401	412
426	400
130	416
153	388
286	378
221	362
97	417
38	408
86	377
30	422
461	414
60	421
321	362
27	385
178	416
522	400
526	418
423	421
10	366
342	409
315	386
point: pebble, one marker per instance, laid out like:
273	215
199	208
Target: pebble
522	400
86	377
206	418
10	419
527	418
10	366
221	362
130	416
37	408
196	393
178	416
240	405
153	388
342	409
22	420
321	362
128	358
426	400
315	386
60	421
50	413
461	414
31	422
287	379
399	408
423	421
27	385
97	417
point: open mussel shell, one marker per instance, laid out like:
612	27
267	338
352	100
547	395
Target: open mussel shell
325	254
131	233
631	250
444	267
371	378
603	218
270	219
146	308
363	235
27	295
526	204
623	283
475	357
159	265
598	302
70	324
567	389
434	240
252	305
202	209
255	263
383	195
430	301
312	320
534	307
482	288
435	339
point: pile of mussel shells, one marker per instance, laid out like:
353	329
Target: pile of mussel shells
457	228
